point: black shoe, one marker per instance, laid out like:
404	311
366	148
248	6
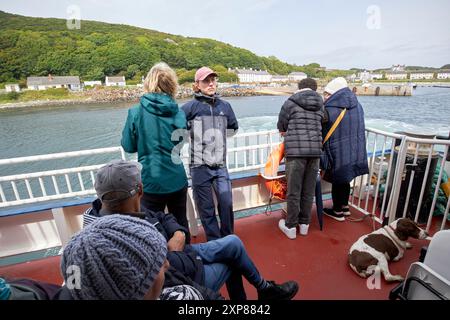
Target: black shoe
285	291
339	216
346	211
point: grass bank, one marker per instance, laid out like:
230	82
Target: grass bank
34	95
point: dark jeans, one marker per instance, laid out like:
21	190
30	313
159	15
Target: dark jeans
205	181
175	202
301	175
226	260
340	194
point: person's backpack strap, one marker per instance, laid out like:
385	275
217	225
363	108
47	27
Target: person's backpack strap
335	125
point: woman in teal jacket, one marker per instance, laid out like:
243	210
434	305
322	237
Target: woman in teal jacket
149	131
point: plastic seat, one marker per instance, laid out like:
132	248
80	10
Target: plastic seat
429	280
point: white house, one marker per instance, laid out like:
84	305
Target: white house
92	83
351	77
364	76
12	87
118	81
44	83
396	75
279	78
297	76
398	67
418	75
443	74
376	76
250	75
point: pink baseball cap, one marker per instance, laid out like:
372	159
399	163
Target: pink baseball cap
203	73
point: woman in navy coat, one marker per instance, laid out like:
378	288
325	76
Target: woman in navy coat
345	151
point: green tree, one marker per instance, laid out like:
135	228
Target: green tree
95	73
132	71
186	76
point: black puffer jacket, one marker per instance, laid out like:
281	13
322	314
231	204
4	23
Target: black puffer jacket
301	118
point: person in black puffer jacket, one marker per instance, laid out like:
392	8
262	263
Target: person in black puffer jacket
300	122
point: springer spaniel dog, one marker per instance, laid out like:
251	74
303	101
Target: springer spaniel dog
374	250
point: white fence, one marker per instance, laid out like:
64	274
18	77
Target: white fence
36	187
389	188
401	170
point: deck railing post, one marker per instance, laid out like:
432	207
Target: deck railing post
396	183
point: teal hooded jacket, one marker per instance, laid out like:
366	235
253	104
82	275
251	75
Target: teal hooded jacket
148	131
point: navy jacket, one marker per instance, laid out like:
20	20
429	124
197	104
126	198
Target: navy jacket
346	149
187	261
208	119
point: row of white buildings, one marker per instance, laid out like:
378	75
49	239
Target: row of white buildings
398	73
70	82
262	76
418	75
73	82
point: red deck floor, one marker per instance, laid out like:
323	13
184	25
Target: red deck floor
318	261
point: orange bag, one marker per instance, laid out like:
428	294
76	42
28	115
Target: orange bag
446	187
277	187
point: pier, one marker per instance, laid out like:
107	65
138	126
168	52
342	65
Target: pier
359	90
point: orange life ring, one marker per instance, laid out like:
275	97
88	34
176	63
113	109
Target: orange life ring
276	186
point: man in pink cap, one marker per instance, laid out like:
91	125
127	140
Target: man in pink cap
210	120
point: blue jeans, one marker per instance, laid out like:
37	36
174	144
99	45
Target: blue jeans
224	258
205	180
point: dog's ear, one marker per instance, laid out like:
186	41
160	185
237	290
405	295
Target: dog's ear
406	228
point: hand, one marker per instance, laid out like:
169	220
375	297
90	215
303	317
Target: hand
176	243
322	173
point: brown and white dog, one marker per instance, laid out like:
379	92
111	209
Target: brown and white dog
385	244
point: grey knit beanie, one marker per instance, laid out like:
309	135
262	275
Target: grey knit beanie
118	258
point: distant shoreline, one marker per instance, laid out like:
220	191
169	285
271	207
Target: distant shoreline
45	103
132	95
118	95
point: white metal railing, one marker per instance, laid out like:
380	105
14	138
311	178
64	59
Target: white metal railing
36	187
245	151
396	164
255	151
377	194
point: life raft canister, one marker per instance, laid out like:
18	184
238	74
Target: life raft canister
277	187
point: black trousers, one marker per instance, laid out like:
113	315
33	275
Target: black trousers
175	203
340	194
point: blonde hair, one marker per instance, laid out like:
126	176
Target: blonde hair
161	79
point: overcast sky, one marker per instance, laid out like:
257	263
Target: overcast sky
336	34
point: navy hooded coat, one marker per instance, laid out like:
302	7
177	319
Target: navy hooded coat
346	149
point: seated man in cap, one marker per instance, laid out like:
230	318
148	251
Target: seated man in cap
119	189
118	257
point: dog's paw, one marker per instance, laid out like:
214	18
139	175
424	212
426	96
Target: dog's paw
393	278
408	245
